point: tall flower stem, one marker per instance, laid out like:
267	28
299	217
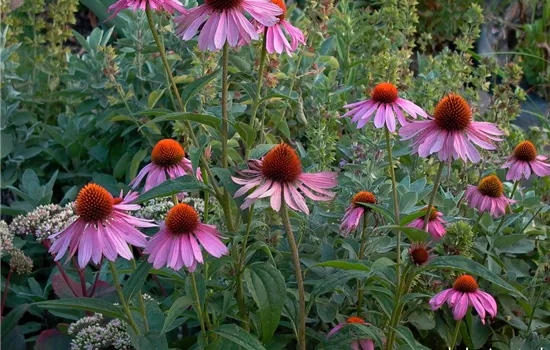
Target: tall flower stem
395	319
240	264
434	193
226	202
299	277
395	204
141	301
123	301
504	216
361	255
47	245
176	93
81	277
5	295
198	307
455	335
260	80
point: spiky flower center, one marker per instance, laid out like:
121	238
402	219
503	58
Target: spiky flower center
355	319
465	284
453	113
117	200
363	197
525	151
182	218
221	5
282	164
384	93
433	213
94	203
282	5
419	254
167	152
491	186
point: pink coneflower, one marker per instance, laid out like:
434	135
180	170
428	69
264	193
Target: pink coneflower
175	245
524	161
419	253
156	5
167	158
387	104
280	173
488	196
225	21
435	224
276	36
102	229
451	132
361	344
355	211
465	293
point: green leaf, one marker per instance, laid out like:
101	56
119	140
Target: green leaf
406	334
356	265
260	151
204	119
411	217
137	280
196	86
10	321
134	164
247	133
239	336
179	306
154	97
266	284
412	233
153	340
380	210
336	280
87	304
240	63
467	265
7	145
172	186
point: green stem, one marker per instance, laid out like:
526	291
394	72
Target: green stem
455	335
434	193
240	264
141	302
395	319
530	220
504	216
477	221
299	278
260	80
122	298
534	308
364	237
198	307
395	204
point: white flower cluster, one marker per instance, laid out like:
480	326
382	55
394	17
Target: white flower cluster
19	262
156	209
93	332
6	238
44	220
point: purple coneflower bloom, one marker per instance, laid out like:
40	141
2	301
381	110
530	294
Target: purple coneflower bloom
279	176
167	158
488	196
103	228
465	293
435	224
419	253
525	161
225	21
361	344
355	211
451	132
175	245
276	38
156	5
387	104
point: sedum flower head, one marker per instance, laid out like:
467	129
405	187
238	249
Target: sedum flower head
94	332
19	262
6	238
44	221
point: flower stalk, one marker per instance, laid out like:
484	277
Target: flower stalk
504	216
123	301
198	306
6	289
364	237
434	193
455	334
299	277
256	103
240	270
395	203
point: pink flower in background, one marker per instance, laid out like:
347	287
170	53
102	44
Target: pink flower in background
361	344
355	211
451	132
175	245
465	293
525	161
385	104
488	196
435	224
156	5
276	35
167	159
225	21
102	229
279	176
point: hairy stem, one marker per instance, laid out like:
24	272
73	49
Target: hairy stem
260	80
455	335
198	307
364	237
299	277
504	216
141	301
240	265
123	301
81	277
6	289
395	204
434	193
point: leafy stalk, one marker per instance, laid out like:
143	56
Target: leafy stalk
122	299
